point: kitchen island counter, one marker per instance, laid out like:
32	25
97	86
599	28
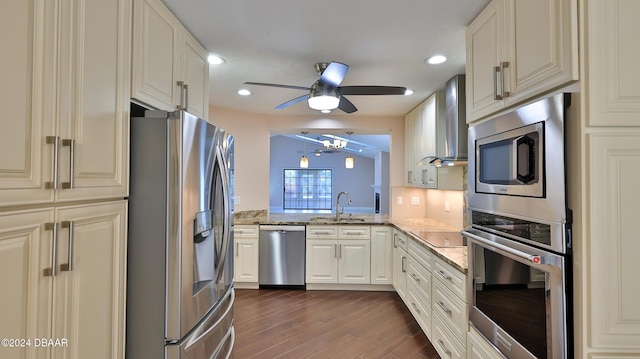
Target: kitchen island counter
455	256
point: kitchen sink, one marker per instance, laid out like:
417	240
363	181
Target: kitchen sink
347	219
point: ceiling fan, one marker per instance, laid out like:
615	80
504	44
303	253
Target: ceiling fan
327	94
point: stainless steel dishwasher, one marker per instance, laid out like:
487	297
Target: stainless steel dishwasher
282	256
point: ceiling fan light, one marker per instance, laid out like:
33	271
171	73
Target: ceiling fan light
348	162
304	161
324	102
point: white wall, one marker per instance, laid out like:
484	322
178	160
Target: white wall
358	182
252	158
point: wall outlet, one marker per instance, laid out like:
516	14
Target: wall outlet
237	200
415	201
399	200
447	206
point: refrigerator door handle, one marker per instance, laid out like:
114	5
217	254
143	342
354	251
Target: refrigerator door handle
226	229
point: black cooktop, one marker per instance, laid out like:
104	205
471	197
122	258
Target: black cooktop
442	239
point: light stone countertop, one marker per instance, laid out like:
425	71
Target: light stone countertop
455	256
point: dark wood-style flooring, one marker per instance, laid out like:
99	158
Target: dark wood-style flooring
279	323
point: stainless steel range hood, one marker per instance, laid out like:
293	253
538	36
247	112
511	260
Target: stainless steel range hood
452	127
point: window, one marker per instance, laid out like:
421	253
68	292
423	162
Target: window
307	189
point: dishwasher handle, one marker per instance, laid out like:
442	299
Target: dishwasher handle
282	228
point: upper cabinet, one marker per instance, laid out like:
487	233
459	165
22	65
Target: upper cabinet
170	68
65	136
421	141
518	49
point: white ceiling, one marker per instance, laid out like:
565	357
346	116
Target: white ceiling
278	41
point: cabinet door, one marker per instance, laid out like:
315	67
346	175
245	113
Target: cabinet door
246	260
484	39
93	99
156	46
400	271
90	287
196	77
354	261
381	255
409	153
25	251
322	261
542	46
25	157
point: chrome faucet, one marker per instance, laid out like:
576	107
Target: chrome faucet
338	211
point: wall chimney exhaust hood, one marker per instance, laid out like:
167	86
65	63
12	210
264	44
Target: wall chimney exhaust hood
452	127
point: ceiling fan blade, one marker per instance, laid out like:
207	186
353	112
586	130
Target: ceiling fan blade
346	105
291	102
334	74
371	90
277	85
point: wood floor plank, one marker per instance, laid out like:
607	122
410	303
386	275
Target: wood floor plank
280	323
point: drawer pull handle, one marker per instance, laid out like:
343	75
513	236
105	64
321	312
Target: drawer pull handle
415	307
441	344
404	269
319	232
444	275
413	275
444	308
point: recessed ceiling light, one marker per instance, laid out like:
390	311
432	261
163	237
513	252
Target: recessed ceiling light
215	60
408	92
437	59
244	92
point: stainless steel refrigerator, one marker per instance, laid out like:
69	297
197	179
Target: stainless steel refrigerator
180	262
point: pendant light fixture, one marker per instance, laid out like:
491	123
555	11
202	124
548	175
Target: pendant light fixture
349	161
304	161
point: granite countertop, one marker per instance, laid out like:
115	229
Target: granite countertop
455	256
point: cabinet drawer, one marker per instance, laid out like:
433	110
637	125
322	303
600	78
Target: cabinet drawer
245	231
421	254
420	278
421	311
444	342
355	232
400	239
453	279
322	232
450	309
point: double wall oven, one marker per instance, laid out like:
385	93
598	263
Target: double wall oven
520	235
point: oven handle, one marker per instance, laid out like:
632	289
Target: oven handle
520	254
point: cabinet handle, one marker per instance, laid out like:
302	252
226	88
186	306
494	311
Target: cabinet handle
318	232
503	93
55	141
71	143
237	249
444	275
180	106
496	95
51	272
415	307
444	308
335	251
413	275
69	266
186	96
404	260
395	240
441	344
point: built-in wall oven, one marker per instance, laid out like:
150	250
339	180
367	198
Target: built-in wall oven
519	240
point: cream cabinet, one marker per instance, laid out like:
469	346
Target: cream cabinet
65	136
170	69
381	255
421	141
342	255
604	162
400	263
63	275
479	348
450	310
247	255
517	50
419	285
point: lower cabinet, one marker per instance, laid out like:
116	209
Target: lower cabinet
338	254
479	348
400	263
246	256
63	275
381	255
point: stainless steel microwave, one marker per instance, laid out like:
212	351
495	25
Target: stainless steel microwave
517	162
